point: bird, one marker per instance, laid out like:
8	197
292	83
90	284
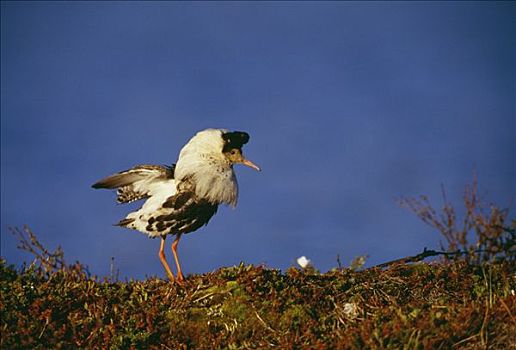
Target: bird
183	197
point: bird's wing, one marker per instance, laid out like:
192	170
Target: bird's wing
181	213
137	182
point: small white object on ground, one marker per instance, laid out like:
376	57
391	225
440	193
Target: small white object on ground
303	261
350	310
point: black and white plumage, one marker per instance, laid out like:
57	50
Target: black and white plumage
182	198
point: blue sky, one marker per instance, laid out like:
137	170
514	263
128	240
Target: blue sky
349	105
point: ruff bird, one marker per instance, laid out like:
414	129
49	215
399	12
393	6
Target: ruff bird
183	197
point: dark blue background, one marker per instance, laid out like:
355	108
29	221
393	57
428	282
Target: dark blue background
349	106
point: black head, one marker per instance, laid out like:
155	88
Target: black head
235	139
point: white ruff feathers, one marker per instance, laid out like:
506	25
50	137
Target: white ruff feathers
201	159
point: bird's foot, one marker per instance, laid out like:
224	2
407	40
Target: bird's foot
180	279
171	278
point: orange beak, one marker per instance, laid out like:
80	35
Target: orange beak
251	164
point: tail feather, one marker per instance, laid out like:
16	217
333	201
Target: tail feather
124	222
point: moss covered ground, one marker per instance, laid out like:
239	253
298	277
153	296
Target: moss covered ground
445	305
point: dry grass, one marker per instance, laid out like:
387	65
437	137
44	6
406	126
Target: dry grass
420	306
443	305
465	301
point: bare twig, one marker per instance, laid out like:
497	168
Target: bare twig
29	242
113	275
421	256
339	264
482	234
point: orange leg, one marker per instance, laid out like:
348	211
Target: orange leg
180	277
164	261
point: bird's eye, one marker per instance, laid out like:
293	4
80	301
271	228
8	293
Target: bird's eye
233	152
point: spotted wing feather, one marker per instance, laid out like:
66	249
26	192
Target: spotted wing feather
136	183
183	212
